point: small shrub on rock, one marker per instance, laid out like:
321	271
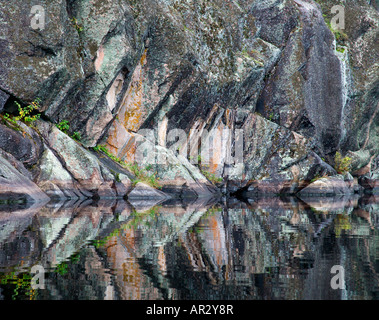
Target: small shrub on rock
342	165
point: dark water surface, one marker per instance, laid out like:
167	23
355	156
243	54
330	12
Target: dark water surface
259	249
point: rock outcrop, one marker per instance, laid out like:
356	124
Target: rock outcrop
253	96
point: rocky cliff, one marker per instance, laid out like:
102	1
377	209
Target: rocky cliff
234	96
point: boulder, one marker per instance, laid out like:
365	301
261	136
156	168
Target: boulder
16	187
370	181
330	186
144	191
122	185
83	166
22	142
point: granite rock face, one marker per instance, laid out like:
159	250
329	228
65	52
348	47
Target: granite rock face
304	93
3	99
269	84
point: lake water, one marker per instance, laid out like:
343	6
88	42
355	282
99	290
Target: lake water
269	248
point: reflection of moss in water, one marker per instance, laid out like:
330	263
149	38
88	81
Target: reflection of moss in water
341	222
101	242
63	267
136	219
19	284
12	201
211	211
75	257
144	218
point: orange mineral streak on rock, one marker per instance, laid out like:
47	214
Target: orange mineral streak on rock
227	117
128	237
121	140
217	150
222	143
99	58
128	272
132	114
113	142
132	277
214	225
162	260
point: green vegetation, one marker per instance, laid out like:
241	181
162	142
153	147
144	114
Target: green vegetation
75	257
26	114
21	284
12	202
249	55
62	268
141	174
103	149
7	118
342	165
211	177
187	29
341	224
204	170
211	211
318	177
76	136
79	28
64	126
340	49
340	36
101	242
315	178
139	217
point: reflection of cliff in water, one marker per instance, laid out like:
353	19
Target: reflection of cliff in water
263	249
